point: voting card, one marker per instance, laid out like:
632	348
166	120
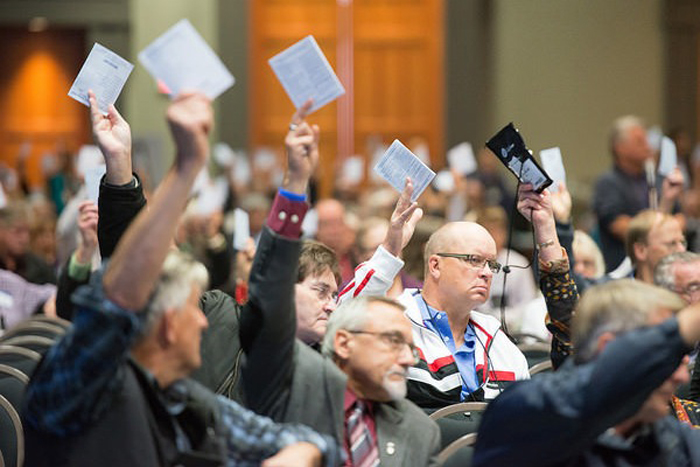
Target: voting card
105	73
461	158
511	150
668	160
305	73
397	163
93	176
241	231
554	165
183	61
444	181
353	170
654	137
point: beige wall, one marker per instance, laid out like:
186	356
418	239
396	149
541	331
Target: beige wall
564	69
148	20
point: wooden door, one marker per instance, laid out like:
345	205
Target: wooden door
35	110
387	53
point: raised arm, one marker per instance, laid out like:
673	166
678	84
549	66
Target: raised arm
137	261
268	321
79	375
556	283
375	276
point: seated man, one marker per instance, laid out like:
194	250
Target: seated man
370	340
465	355
611	405
651	235
114	391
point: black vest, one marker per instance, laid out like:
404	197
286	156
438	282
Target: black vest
135	431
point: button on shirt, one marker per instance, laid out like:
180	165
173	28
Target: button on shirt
437	322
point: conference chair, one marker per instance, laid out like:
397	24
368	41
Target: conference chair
542	367
457	420
34	328
11	435
25	360
459	453
36	343
12	385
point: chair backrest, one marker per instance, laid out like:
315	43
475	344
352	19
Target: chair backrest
535	352
36	343
65	324
34	328
541	367
461	408
25	360
459	453
457	420
12	385
11	435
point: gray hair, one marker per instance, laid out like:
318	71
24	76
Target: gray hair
617	307
179	274
621	127
664	273
353	315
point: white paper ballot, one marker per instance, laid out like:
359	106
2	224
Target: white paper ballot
353	169
309	226
668	160
182	60
92	182
654	136
397	163
105	73
241	232
89	156
305	73
461	158
3	197
444	181
553	164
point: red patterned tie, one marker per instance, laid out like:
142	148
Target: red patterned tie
363	451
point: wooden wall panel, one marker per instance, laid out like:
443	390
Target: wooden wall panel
397	67
36	74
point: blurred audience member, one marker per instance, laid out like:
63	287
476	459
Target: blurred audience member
15	253
335	231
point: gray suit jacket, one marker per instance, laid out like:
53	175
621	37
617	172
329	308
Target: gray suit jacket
290	382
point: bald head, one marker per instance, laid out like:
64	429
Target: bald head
454	236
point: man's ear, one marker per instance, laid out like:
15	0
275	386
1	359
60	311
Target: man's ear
603	340
166	328
640	251
434	266
342	344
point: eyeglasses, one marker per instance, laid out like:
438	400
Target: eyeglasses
683	243
690	289
396	341
474	261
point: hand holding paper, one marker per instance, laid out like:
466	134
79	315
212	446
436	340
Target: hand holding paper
190	118
306	74
105	73
403	221
554	166
302	151
113	136
398	163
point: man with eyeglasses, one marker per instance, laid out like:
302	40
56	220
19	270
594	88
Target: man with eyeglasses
652	235
465	355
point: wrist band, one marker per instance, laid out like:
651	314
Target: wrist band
545	244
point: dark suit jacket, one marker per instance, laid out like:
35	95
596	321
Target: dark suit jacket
289	382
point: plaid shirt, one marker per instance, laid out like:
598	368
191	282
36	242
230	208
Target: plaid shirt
83	373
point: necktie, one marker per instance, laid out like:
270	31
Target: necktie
363	451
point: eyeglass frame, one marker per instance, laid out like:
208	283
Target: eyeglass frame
494	266
394	341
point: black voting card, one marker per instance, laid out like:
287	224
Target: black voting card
511	150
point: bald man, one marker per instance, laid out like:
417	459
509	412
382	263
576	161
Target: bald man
465	356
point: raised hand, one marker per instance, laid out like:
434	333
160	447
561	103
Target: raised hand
671	190
403	221
561	204
87	226
537	208
191	119
113	136
301	143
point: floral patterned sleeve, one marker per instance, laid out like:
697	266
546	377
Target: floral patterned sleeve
561	296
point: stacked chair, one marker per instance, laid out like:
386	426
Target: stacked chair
21	349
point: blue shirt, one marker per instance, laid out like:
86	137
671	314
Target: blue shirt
437	322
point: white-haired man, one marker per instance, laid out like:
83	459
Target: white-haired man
609	405
113	391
